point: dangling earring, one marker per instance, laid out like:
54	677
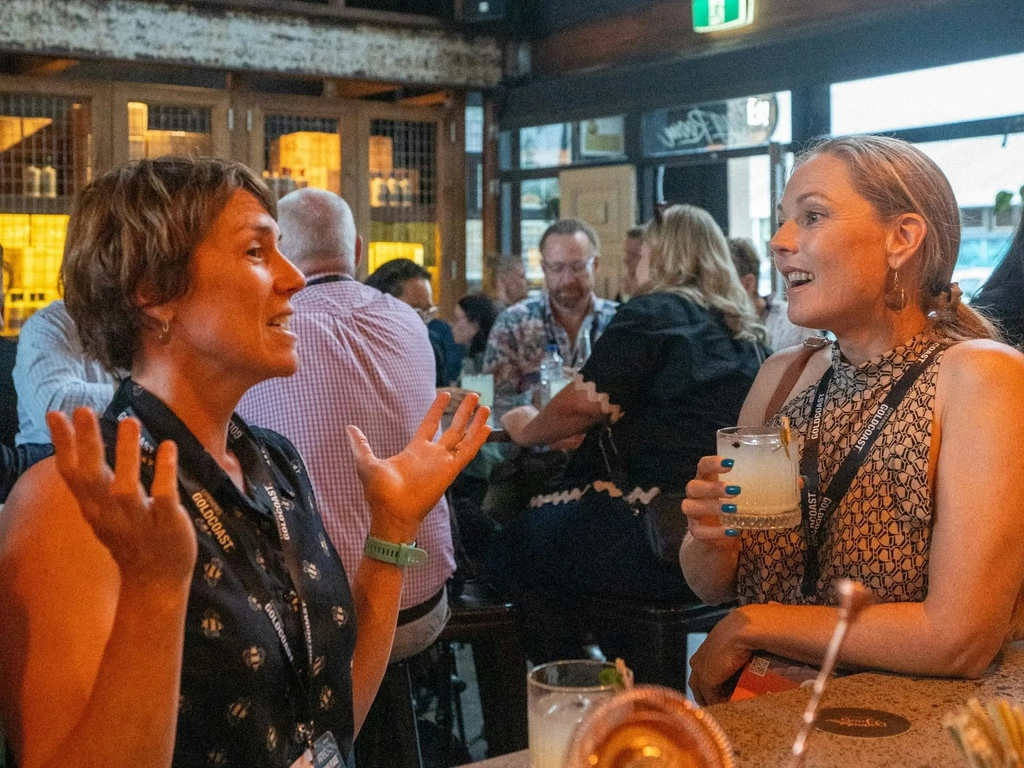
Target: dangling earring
164	335
895	296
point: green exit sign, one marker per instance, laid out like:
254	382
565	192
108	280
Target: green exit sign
715	15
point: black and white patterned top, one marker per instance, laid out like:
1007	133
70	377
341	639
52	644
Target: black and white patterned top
881	531
243	702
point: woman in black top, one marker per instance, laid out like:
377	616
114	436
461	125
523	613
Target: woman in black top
194	612
672	367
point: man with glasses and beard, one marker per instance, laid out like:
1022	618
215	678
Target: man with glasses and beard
567	313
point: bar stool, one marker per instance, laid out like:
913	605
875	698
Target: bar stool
490	626
649	637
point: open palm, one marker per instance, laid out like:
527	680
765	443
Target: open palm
401	490
150	537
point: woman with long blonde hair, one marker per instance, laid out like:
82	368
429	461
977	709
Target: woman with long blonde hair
672	367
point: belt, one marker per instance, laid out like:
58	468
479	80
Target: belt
413	612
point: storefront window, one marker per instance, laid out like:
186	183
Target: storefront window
474	194
538	202
750	207
603	137
977	169
301	152
545	146
155	130
403	193
750	121
45	158
972	90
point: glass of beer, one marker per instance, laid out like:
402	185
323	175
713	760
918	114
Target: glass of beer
559	695
766	469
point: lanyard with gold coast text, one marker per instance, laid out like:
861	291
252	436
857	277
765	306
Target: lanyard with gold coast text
818	505
220	526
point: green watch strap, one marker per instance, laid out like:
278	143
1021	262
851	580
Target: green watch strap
402	555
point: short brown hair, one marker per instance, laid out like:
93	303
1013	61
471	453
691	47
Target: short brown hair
745	256
570	227
132	234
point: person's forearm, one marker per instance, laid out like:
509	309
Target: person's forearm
569	413
137	687
710	569
898	637
376	591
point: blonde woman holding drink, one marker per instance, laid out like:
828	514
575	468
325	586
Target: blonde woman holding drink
922	504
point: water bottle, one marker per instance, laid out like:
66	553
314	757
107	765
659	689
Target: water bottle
582	347
550	372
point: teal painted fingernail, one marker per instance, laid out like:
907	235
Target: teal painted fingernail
727	463
731	532
729	508
732	490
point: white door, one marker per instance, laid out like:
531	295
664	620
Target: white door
605	198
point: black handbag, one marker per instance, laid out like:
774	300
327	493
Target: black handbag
662	518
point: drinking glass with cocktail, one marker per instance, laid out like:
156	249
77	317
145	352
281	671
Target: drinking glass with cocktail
766	469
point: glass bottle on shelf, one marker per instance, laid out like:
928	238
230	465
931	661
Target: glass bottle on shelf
32	178
377	190
394	195
48	179
405	192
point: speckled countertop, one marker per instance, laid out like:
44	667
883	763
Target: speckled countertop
762	730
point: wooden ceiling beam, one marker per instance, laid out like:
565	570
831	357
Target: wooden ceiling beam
665	29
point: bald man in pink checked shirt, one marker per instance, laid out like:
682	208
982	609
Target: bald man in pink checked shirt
364	359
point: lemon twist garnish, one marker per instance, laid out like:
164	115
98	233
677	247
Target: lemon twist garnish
785	434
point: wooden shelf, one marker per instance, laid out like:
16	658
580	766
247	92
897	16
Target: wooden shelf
24	204
398	215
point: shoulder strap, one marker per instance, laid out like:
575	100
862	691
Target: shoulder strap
792	374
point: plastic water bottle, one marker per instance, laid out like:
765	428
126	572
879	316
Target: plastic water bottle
550	371
582	348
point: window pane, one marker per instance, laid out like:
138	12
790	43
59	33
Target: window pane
403	184
969	91
977	169
545	146
602	137
155	130
45	158
301	152
538	202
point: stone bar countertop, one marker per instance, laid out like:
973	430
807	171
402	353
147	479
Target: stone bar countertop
762	730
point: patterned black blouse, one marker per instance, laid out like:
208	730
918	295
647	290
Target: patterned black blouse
243	701
880	532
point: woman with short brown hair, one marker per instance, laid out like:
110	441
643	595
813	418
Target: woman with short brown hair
217	628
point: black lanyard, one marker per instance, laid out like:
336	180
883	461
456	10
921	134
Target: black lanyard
225	530
335	278
818	505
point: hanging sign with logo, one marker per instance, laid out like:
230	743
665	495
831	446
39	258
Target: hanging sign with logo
716	15
731	124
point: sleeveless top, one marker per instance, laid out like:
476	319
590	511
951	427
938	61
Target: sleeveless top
880	532
249	697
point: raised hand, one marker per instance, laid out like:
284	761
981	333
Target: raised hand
403	489
150	537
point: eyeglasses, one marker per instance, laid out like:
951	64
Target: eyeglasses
571	267
426	315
